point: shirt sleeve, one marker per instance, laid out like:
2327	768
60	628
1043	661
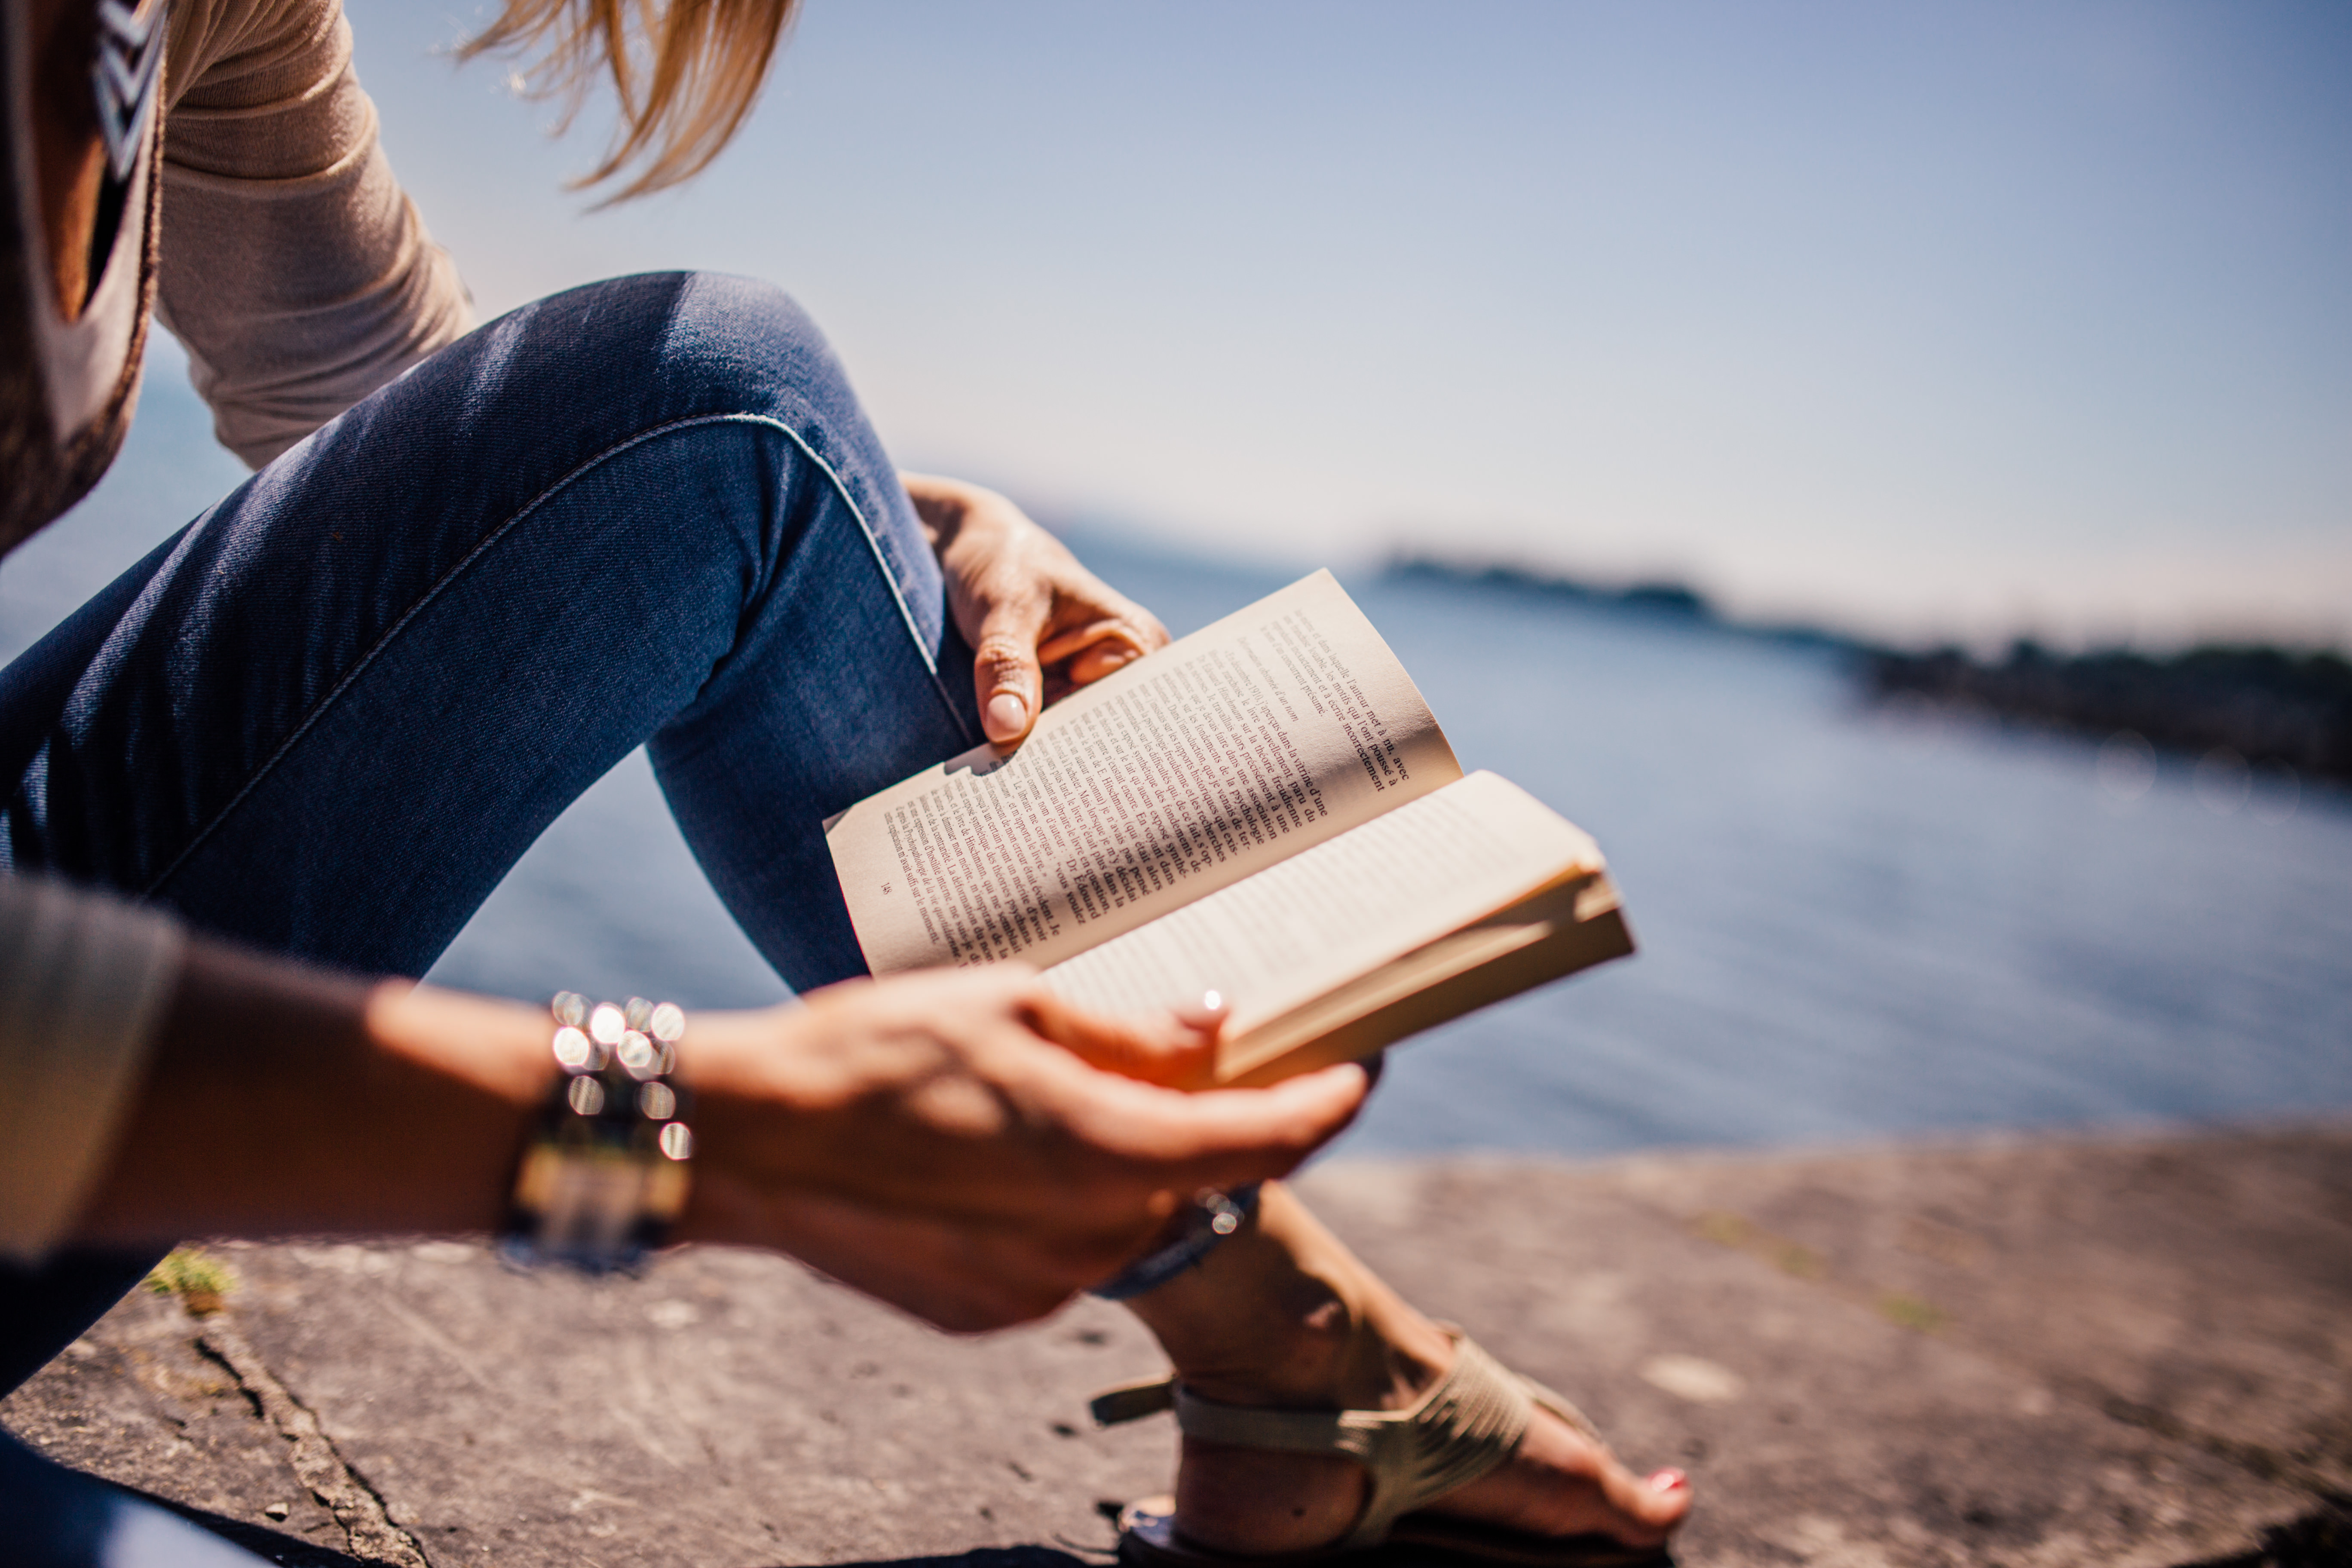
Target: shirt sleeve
83	985
293	267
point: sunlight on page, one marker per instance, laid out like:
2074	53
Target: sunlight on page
1277	728
1329	914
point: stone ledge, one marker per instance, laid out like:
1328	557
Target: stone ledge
2127	1351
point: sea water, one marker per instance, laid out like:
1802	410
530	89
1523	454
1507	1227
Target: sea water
1855	922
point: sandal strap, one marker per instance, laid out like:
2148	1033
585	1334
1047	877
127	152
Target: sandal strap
1133	1401
1557	1404
1470	1422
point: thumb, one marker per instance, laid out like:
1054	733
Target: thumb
1005	675
1177	1050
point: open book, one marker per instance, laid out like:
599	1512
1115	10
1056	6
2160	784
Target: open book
1266	809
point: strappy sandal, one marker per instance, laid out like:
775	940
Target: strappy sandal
1470	1422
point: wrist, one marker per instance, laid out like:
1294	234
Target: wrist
479	1064
280	1099
495	1049
741	1069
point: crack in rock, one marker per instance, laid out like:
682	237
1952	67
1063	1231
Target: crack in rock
357	1506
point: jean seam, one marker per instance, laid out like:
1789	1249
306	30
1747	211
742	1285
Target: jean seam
441	585
874	545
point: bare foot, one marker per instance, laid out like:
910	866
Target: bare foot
1281	1314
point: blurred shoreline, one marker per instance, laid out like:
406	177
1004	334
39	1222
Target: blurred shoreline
2248	714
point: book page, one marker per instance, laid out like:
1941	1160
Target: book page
1322	918
1277	728
1571	924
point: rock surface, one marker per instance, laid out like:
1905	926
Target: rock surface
2130	1351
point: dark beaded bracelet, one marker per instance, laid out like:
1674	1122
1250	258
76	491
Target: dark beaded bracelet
1212	1217
604	1175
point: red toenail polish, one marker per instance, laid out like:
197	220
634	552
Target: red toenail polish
1668	1480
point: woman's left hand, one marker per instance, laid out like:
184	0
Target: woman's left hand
1039	623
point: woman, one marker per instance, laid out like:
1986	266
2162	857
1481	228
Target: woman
476	568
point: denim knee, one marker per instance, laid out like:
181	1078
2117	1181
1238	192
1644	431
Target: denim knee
600	368
744	344
727	346
601	365
681	345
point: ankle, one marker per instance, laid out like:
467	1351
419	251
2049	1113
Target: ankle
1301	1350
1281	1314
1396	1355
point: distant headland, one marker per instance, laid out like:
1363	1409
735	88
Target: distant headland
2280	707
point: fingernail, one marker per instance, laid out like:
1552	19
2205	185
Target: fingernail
1007	714
1205	1014
1668	1480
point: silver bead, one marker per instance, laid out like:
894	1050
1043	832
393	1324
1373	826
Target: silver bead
573	1049
639	1054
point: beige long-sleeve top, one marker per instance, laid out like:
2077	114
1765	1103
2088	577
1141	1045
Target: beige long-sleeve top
291	264
263	221
82	984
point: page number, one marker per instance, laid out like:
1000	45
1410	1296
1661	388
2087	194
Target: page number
886	888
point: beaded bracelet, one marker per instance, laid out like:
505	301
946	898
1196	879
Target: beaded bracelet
1212	1217
603	1174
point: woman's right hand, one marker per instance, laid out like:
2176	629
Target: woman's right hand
966	1145
961	1144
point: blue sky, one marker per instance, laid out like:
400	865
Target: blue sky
1917	319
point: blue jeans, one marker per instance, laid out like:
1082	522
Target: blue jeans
328	716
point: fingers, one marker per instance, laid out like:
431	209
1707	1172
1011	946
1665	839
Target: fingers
963	1276
1250	1134
1063	656
1006	676
1208	1012
1109	634
978	1098
1216	1137
1119	632
941	1272
1027	606
1089	652
1177	1051
1100	660
1208	1138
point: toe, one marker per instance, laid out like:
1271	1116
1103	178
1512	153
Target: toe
1649	1508
1561	1483
1641	1511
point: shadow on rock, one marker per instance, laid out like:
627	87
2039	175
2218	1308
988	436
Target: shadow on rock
2322	1540
1392	1556
270	1545
995	1557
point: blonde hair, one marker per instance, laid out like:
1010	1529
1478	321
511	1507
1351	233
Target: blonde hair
687	73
